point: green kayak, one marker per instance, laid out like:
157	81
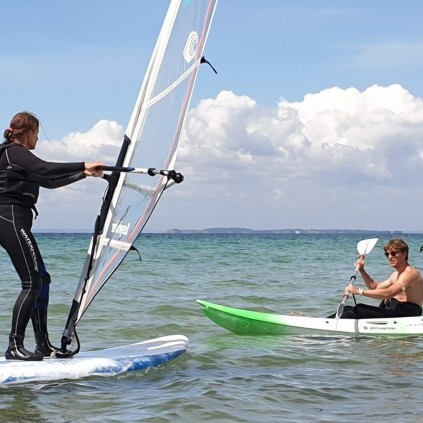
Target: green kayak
248	322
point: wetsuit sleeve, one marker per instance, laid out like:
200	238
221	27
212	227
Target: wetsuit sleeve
47	174
61	182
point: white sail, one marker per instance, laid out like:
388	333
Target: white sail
151	142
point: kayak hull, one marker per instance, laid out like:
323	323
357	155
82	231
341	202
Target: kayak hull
248	322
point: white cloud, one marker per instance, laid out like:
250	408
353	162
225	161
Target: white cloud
75	206
370	134
325	162
101	142
300	158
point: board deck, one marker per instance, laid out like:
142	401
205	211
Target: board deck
106	362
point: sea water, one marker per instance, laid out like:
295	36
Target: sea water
223	377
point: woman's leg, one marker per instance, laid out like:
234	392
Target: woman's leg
39	319
16	238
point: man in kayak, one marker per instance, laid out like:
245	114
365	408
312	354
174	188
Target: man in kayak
401	293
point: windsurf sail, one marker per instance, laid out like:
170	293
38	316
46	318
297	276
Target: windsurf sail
151	141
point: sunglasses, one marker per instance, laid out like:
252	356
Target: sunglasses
392	253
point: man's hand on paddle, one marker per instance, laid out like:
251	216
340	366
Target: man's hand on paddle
359	264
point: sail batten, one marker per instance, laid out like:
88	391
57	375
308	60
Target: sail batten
151	141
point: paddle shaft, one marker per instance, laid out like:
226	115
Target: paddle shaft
363	247
341	306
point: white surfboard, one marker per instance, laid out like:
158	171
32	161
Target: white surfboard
108	362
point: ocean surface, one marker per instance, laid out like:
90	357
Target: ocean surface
223	377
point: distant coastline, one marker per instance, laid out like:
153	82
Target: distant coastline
278	231
230	230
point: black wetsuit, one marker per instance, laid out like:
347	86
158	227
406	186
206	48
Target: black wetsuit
391	308
21	176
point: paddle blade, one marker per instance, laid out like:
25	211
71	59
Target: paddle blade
341	306
366	245
340	310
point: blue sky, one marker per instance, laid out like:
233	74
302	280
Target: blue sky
315	119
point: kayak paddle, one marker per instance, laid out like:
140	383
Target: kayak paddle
363	247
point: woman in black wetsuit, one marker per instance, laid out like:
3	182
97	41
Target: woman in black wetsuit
21	176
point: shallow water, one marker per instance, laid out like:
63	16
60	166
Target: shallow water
223	377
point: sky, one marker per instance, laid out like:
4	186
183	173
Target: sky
314	120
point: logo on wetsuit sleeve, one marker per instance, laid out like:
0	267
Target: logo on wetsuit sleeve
31	248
